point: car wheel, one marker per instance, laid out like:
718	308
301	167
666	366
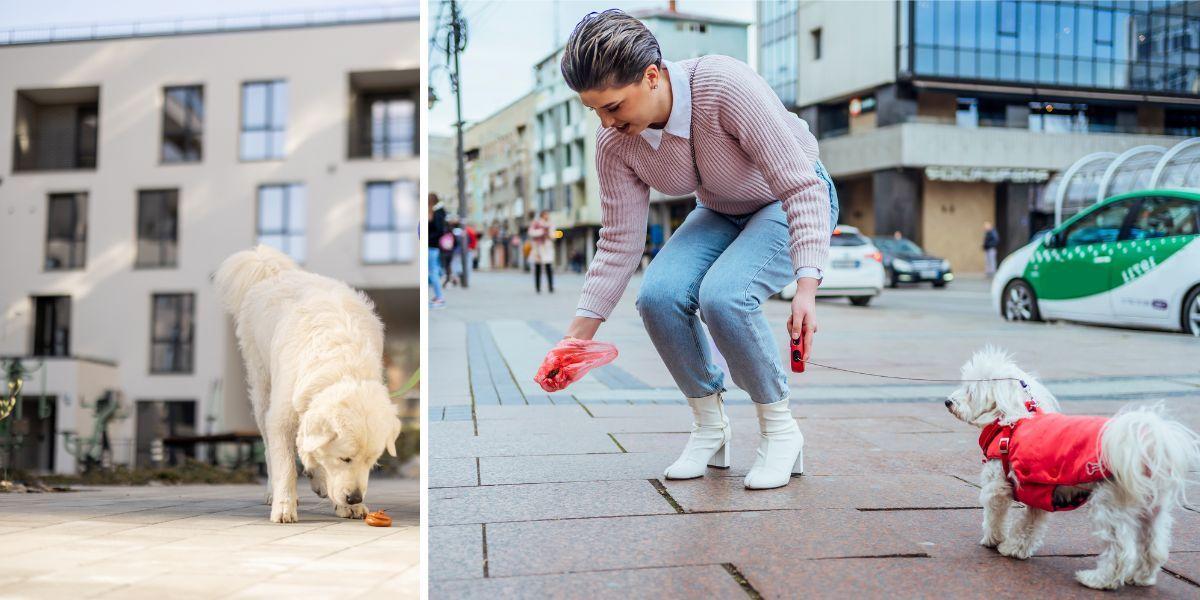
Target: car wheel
891	278
860	300
939	284
1019	303
1191	313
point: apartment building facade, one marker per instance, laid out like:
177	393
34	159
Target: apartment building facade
934	117
133	165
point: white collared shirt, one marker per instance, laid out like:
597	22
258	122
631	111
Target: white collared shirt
679	124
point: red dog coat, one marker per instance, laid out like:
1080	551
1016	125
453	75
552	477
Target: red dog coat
1044	451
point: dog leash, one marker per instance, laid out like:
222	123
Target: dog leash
810	362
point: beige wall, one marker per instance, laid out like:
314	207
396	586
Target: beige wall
111	301
952	221
920	145
858	48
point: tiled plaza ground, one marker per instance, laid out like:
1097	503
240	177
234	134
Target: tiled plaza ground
561	495
204	541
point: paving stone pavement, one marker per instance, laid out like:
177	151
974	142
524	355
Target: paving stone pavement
204	541
537	495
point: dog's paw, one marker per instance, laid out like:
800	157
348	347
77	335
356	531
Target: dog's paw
1144	578
352	511
990	541
1015	550
284	512
1096	580
268	502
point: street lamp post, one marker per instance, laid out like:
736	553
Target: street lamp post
456	79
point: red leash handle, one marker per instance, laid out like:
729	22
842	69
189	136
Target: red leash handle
797	352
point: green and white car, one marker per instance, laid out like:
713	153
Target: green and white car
1132	260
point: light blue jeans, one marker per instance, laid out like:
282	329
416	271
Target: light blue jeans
435	273
721	268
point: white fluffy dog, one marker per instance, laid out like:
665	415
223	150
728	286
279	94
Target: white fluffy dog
313	349
1130	469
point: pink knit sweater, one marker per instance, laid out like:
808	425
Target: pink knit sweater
751	151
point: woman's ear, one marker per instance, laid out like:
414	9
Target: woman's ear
652	74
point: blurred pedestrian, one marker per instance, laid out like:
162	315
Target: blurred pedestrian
472	238
765	210
541	250
436	230
452	258
991	241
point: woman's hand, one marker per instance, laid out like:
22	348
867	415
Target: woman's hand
803	322
583	328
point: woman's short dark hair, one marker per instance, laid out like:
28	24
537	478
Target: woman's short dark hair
608	49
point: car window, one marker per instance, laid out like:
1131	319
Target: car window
847	239
1164	217
1103	225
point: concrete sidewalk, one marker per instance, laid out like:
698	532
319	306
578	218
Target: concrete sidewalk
535	494
204	541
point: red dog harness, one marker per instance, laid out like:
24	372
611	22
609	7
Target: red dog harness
1044	451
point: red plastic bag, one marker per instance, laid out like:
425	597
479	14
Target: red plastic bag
570	360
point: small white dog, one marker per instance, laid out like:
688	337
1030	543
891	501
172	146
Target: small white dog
1130	469
313	349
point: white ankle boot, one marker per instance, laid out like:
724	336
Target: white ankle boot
780	448
709	443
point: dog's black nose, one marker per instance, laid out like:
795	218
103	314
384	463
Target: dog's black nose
354	497
949	403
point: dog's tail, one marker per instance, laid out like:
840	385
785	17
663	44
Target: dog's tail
1149	455
242	270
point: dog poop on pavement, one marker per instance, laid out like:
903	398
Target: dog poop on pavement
378	519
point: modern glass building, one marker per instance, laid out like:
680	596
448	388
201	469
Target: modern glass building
937	116
777	47
1136	46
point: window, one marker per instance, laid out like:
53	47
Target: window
159	419
157	228
183	124
393	126
264	119
390	228
171	331
816	43
1165	217
66	231
51	326
1103	225
281	218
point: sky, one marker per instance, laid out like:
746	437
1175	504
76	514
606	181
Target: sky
506	38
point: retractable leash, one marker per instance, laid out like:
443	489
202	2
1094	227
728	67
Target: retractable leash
798	363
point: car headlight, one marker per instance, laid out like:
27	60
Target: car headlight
901	265
945	265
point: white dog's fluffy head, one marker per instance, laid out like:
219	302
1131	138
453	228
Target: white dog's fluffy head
345	430
999	396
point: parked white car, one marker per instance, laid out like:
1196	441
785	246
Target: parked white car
855	269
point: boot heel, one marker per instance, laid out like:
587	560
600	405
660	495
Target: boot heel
798	467
720	460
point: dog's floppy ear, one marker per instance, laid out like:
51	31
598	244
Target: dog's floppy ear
391	440
315	432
